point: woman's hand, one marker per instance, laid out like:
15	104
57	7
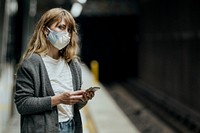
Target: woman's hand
88	95
69	98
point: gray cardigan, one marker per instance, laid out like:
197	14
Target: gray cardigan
33	96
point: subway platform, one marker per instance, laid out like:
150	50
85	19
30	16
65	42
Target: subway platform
100	115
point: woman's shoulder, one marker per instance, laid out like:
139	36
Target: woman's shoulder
33	59
76	61
30	63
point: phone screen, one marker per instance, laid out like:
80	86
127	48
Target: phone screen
93	88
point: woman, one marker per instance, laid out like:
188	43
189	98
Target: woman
48	83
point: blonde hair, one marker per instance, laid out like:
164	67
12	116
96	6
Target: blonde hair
38	42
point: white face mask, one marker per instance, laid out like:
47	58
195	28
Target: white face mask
58	39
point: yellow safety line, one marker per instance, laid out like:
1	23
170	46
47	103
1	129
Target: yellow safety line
95	71
89	121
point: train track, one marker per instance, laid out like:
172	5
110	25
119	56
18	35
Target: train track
150	113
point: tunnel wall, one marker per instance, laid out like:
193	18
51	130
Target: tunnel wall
169	57
113	42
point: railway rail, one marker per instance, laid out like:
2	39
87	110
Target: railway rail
151	112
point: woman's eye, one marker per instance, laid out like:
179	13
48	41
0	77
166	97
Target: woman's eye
61	27
69	30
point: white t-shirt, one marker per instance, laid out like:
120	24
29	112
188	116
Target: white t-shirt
61	81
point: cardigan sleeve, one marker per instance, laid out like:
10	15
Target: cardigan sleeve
27	102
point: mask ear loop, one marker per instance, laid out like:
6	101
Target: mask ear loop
46	31
49	29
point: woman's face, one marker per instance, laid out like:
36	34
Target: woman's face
59	27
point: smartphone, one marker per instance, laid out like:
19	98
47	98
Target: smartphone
95	88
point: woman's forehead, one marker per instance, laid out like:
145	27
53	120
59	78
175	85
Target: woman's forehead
61	22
